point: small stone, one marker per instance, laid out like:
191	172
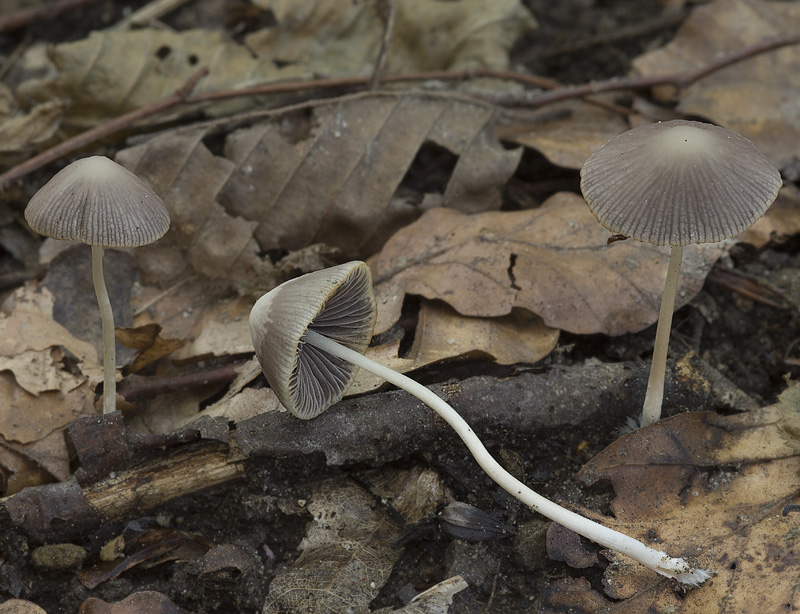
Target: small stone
55	557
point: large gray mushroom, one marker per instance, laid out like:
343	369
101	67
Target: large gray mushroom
676	183
98	202
309	334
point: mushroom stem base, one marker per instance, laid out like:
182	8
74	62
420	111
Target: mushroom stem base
109	343
658	561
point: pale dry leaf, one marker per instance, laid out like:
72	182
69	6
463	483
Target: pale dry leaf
781	220
436	600
347	553
756	97
566	134
18	471
443	334
343	38
139	602
711	487
20	606
328	176
27	324
246	404
26	418
113	72
20	133
33	428
552	261
39	370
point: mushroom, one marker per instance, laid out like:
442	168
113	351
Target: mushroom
309	334
100	203
676	183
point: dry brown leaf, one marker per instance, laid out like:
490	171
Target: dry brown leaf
442	334
707	486
327	177
436	600
27	418
148	341
39	370
343	38
20	606
347	553
21	132
553	261
27	324
102	78
781	220
151	602
756	97
567	134
40	394
17	471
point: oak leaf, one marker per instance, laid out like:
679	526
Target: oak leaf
706	486
552	261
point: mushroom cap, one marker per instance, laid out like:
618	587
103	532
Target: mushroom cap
99	202
338	303
679	182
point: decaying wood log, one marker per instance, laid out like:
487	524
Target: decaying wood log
145	472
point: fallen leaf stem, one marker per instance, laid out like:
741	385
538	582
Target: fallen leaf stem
100	132
658	561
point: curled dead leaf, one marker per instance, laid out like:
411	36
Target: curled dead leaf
553	261
330	175
755	98
714	487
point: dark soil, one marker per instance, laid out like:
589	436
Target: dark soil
750	342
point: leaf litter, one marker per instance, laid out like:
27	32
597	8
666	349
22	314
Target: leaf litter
242	191
718	485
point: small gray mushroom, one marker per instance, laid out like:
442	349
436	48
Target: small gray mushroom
309	333
98	202
676	183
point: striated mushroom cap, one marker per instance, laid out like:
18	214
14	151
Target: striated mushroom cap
679	182
338	303
97	201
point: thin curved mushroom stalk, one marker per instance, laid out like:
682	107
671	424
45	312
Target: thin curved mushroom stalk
295	337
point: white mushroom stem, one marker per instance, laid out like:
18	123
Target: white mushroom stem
651	411
658	561
109	344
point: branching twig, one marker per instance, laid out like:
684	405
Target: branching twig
95	134
383	53
680	80
20	19
558	94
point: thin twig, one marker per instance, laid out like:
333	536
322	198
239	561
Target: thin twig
20	19
383	53
680	80
662	22
355	82
100	132
136	387
559	94
15	55
150	12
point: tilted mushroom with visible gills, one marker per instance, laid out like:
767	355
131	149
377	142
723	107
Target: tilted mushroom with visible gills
676	183
309	333
98	202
